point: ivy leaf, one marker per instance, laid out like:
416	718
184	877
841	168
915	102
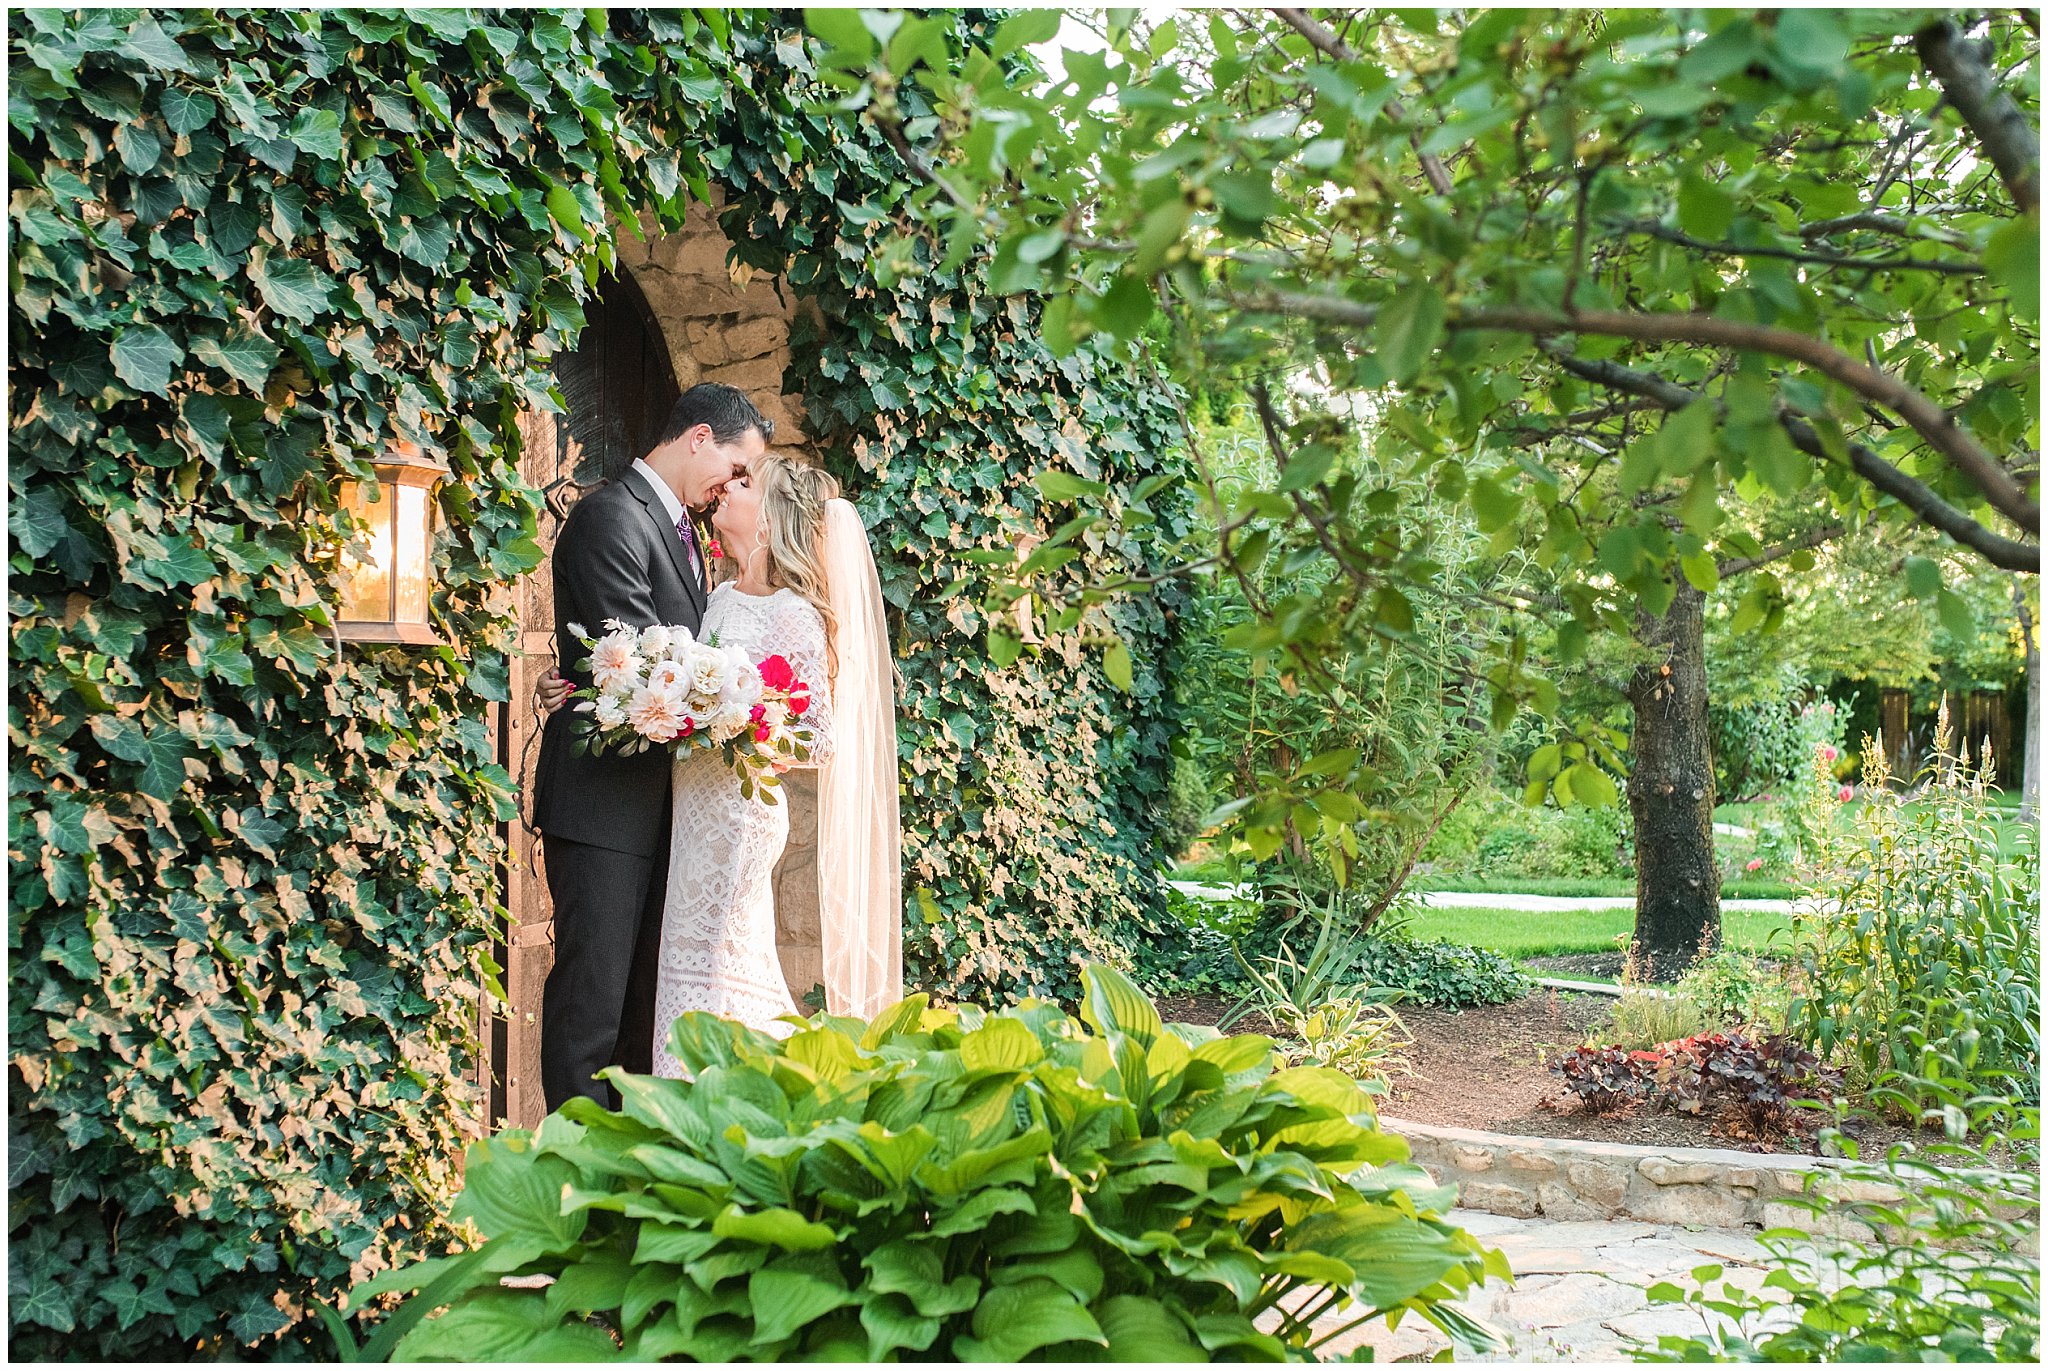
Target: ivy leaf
143	358
317	133
562	207
291	286
243	354
140	149
182	564
36	521
1408	330
42	1301
148	42
186	111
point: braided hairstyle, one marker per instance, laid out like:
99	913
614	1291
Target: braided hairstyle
793	498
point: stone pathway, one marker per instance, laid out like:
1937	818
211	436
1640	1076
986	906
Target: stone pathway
1579	1289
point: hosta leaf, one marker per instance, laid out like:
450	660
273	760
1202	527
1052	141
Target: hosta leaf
1139	1329
1014	1320
784	1301
785	1228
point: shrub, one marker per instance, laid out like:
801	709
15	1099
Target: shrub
1645	1017
1765	744
959	1184
1498	835
1920	916
1444	974
1948	1271
1755	1083
1603	1078
1758	1082
1319	1001
1736	989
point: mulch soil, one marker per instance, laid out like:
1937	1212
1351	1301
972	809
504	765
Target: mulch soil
1488	1068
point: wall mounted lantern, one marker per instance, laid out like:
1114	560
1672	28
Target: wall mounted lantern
384	595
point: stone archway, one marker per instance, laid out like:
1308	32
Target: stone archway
674	315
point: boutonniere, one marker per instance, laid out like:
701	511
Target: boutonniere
717	553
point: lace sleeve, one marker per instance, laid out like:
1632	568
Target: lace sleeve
801	640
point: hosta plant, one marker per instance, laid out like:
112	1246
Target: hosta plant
950	1184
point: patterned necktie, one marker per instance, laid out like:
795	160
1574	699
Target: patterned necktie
689	537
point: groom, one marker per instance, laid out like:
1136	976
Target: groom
629	551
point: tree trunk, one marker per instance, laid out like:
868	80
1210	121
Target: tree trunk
1671	791
2030	774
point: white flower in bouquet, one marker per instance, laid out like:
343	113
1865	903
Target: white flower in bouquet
657	641
656	715
667	676
707	672
608	710
742	681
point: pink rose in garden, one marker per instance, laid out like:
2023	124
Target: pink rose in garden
1755	864
1846	794
1828	754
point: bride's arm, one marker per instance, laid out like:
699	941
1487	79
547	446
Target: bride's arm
806	656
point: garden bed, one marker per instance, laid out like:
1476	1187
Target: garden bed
1487	1069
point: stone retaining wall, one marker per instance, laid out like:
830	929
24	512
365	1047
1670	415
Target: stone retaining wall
1559	1178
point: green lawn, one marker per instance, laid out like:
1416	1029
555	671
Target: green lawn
1516	933
1603	886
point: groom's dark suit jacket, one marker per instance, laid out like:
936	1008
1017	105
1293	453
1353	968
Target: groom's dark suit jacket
618	557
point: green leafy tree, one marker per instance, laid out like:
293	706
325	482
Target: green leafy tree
1595	275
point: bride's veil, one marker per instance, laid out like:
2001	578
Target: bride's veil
860	873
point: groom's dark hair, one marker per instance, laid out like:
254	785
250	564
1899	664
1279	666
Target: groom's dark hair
728	410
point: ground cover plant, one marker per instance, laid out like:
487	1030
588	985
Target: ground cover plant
946	1183
1522	933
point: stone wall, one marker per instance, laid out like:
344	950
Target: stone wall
1558	1178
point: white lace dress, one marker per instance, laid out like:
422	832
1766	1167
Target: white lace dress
718	920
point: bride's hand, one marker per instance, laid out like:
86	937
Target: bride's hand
551	692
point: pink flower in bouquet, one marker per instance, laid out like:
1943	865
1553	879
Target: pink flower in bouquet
689	727
799	700
761	732
655	715
1755	864
757	714
1846	794
777	674
613	657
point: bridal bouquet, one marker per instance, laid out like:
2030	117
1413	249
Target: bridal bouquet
661	687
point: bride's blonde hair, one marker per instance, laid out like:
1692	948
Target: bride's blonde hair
793	497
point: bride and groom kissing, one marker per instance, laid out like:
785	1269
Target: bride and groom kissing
659	866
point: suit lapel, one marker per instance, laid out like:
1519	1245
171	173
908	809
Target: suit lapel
656	511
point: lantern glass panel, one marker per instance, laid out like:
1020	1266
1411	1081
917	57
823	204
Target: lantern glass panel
413	551
367	597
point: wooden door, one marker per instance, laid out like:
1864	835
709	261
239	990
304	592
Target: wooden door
619	386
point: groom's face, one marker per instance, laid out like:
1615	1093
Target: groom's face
707	464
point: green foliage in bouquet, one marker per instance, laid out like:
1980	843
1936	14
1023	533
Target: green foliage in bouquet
947	1184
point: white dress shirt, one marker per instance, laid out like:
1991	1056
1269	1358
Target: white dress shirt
674	505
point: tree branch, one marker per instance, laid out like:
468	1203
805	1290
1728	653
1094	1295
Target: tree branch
1813	537
1946	266
1967	81
1928	419
1331	45
2007	553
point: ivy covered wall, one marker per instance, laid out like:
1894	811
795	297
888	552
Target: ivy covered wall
252	878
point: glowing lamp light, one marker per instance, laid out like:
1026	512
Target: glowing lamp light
384	595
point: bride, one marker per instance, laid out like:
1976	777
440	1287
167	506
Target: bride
806	589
